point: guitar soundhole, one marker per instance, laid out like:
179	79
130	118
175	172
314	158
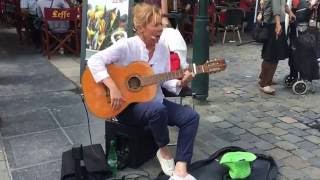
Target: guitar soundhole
134	83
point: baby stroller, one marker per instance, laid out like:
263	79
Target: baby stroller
304	53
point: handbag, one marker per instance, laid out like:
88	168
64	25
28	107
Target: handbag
261	33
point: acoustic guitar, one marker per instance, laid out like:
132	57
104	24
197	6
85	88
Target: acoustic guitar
136	82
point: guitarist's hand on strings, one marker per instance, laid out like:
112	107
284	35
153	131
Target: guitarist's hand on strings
115	94
187	77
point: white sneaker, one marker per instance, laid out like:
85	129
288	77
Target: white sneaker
167	165
268	90
187	177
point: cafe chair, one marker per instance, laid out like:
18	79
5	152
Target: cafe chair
54	41
10	13
232	22
185	92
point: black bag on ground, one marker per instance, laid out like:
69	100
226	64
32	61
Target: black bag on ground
263	168
84	163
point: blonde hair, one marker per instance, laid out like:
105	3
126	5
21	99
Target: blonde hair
143	14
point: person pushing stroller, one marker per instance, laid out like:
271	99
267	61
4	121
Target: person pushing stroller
304	44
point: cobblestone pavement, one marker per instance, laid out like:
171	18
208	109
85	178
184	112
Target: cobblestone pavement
285	126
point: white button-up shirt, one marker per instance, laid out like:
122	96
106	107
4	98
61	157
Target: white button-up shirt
129	50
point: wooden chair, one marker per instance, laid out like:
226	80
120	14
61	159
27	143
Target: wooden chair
53	40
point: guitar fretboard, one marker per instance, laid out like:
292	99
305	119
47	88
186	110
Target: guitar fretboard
170	75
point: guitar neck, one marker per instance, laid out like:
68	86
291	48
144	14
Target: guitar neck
157	78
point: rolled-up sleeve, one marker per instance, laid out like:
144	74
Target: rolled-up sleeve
276	7
97	63
171	86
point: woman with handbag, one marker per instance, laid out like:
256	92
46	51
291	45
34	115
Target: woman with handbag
275	48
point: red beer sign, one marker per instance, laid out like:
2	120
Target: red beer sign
60	14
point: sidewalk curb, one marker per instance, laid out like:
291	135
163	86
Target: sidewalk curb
4	171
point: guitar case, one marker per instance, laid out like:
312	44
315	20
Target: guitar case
263	168
84	163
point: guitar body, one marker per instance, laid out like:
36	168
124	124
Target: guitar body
127	79
136	82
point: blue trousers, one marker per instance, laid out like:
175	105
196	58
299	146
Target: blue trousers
158	116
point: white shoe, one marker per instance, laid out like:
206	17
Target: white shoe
167	165
187	177
268	90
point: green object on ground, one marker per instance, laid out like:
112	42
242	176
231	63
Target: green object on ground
112	158
238	163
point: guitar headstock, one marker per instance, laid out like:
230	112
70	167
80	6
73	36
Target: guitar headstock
215	65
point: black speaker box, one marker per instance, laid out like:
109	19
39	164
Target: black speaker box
134	145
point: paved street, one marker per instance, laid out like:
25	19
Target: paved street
42	114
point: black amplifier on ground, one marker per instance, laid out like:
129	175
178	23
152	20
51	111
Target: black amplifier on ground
134	145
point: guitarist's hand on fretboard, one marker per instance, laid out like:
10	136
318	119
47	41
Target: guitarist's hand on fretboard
187	77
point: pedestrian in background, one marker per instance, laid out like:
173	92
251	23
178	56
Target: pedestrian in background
276	47
29	16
